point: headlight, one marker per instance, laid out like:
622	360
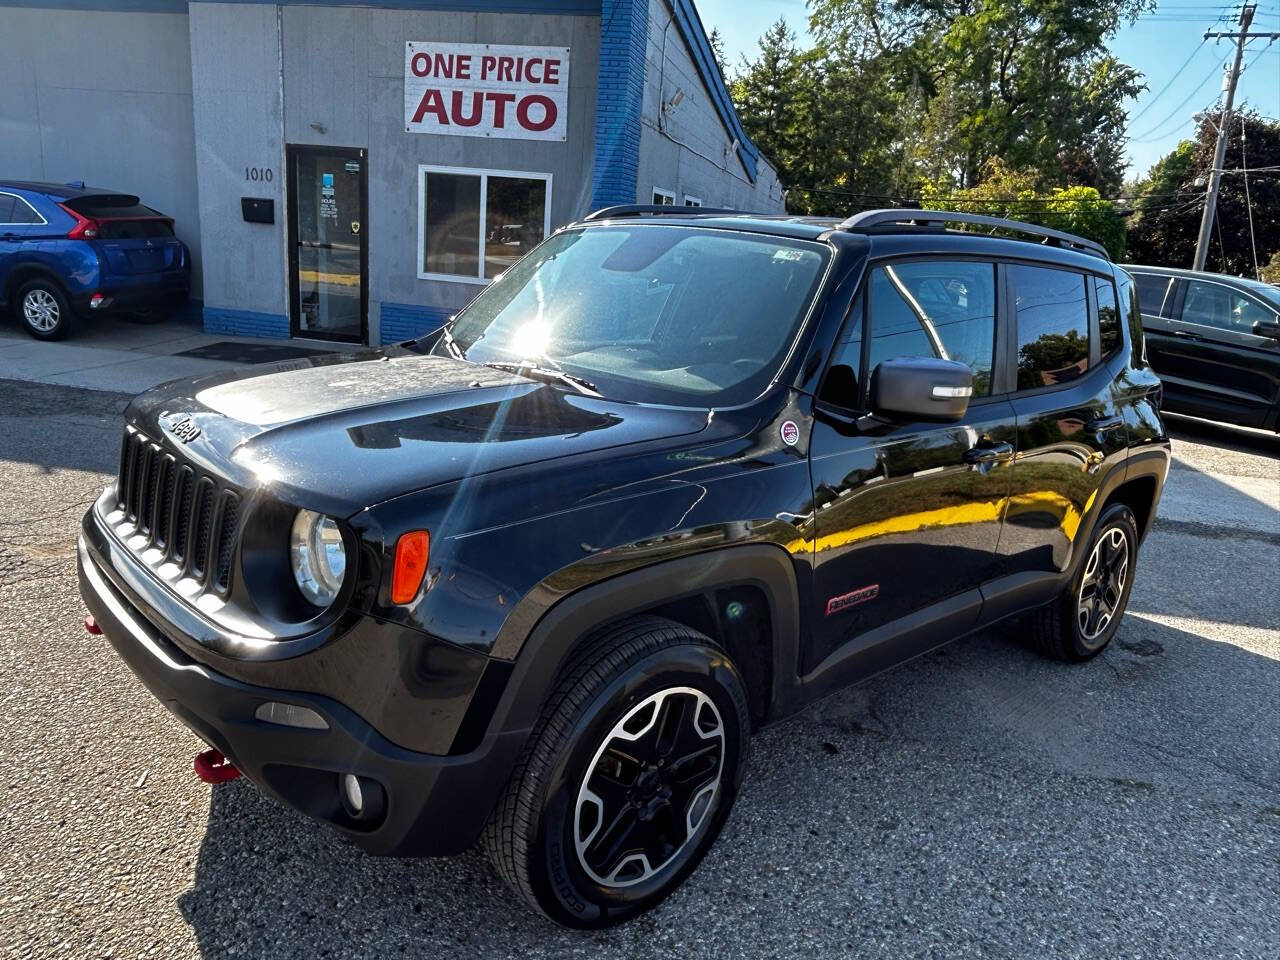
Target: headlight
318	556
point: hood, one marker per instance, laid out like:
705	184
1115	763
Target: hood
341	432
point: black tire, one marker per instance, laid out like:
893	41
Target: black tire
1062	629
42	309
531	836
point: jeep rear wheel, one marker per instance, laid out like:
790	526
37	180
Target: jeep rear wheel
1085	616
628	778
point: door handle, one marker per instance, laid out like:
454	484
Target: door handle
993	453
1104	424
12	237
1187	335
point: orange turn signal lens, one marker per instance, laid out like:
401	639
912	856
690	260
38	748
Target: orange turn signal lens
412	551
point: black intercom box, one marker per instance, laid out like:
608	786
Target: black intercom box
258	209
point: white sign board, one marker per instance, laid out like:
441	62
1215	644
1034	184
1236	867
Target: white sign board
486	90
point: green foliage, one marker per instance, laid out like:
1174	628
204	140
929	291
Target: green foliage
1029	81
901	94
1271	272
1170	204
1009	193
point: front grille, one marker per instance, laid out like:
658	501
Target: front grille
188	516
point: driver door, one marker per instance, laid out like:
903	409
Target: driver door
907	516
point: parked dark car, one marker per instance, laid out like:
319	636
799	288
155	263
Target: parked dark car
67	250
675	475
1215	342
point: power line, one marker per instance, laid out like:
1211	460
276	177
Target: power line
1147	136
1177	73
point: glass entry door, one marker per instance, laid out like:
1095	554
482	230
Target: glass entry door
328	252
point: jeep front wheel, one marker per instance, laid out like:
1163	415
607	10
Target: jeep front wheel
628	778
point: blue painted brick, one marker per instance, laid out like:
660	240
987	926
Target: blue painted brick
404	321
245	323
619	94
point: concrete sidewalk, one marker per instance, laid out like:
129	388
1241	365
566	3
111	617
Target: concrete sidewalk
105	353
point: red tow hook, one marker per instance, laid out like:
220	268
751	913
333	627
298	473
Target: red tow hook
91	625
212	767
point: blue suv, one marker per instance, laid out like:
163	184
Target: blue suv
67	250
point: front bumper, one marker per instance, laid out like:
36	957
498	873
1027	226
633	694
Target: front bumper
435	805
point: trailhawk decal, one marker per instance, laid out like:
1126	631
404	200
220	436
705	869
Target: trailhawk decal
847	600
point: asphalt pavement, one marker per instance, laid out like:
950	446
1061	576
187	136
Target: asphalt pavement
978	802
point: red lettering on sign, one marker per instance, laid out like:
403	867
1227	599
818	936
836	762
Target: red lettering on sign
462	66
548	112
552	73
477	109
504	68
530	66
487	63
421	65
444	65
500	101
431	102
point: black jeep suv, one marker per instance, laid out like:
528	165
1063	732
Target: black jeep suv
674	475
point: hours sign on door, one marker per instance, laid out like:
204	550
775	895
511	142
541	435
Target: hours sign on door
486	90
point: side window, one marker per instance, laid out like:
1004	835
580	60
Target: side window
23	212
935	308
1156	294
1108	316
840	385
1053	325
1215	305
7	203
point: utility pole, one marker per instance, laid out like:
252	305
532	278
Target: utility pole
1219	155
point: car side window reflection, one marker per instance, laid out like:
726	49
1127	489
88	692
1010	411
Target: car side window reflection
1215	305
936	308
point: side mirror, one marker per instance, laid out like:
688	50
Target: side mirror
921	388
1266	328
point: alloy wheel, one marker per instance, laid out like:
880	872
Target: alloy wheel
650	787
1102	588
40	309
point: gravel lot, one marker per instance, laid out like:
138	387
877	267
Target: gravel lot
977	802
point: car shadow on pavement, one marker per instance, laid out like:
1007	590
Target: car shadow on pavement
979	800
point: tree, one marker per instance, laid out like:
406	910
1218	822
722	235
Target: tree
1271	272
1163	231
716	42
1013	194
1029	81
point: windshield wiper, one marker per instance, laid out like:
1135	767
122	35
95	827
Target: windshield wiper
546	375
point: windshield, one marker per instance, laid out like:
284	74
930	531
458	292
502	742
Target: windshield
646	312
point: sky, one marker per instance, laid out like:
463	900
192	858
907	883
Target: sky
1183	74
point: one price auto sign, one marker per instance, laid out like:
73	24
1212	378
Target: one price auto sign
486	90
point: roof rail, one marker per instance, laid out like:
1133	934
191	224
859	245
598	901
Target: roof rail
646	209
866	221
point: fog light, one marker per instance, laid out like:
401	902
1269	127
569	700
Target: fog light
352	794
290	715
362	798
98	301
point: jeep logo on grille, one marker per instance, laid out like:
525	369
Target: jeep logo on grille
183	428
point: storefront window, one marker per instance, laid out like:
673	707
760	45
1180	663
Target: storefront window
477	223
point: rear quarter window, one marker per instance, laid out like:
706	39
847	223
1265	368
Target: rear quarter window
1156	294
1053	325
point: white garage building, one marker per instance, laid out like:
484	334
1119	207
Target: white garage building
355	173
